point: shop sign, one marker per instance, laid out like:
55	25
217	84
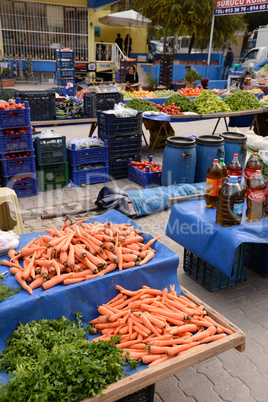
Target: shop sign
228	7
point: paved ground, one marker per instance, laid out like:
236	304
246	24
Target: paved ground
232	376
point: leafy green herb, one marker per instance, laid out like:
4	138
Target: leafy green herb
143	105
242	100
208	102
7	291
53	361
186	104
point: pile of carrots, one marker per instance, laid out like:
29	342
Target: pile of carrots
155	325
78	252
190	91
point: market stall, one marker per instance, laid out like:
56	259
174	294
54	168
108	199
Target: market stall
85	296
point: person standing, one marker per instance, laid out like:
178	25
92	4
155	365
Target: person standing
119	42
128	45
228	61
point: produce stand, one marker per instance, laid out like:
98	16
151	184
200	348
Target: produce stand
92	120
166	369
85	297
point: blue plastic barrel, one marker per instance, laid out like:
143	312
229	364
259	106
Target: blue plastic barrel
208	147
235	143
179	161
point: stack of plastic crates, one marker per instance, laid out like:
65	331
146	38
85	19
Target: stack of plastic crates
53	169
90	164
65	71
17	160
124	136
100	101
42	104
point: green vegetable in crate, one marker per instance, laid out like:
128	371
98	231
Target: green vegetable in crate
185	104
165	93
52	360
143	105
208	102
242	100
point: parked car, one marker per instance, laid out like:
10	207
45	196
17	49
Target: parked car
154	47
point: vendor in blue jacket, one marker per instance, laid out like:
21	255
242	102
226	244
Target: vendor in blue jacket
228	61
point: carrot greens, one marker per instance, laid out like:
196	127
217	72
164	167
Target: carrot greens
53	360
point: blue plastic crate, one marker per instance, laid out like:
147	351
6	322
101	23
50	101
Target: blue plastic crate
78	157
123	146
65	64
210	277
23	185
65	81
15	142
15	118
111	126
66	91
118	168
145	179
50	150
64	54
18	165
89	176
100	101
256	258
66	72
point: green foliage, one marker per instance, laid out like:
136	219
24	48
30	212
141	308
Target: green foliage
53	361
186	104
7	291
6	73
143	105
151	80
192	76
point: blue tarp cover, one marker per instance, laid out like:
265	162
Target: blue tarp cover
194	226
62	300
153	200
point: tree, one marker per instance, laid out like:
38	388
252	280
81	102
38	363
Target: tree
254	20
192	18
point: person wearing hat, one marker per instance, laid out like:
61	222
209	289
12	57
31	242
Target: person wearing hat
132	78
248	72
228	61
204	83
190	68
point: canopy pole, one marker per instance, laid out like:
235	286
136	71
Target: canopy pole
210	40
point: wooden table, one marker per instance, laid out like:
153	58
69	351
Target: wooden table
149	376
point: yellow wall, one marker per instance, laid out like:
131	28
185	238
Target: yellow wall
109	33
61	2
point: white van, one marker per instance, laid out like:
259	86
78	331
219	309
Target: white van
254	56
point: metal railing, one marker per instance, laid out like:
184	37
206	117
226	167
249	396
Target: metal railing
109	52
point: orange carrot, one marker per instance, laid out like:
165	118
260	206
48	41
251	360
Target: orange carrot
147	245
23	282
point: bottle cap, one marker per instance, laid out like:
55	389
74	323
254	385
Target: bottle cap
222	160
215	160
233	179
236	155
255	153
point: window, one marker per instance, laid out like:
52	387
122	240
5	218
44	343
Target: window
37	29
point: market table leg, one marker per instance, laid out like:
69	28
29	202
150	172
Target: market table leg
92	129
144	138
215	128
226	125
162	125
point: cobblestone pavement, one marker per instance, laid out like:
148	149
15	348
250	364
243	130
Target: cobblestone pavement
231	376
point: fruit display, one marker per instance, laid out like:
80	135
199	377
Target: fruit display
10	105
170	109
142	165
189	92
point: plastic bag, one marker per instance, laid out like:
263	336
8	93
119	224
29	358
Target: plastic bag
8	241
264	155
46	134
121	111
257	143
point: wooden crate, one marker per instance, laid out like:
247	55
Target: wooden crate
149	376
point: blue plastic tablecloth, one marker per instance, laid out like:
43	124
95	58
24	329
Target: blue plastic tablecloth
61	300
194	226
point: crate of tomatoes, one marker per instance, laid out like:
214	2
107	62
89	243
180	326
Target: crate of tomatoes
145	173
18	162
16	139
14	114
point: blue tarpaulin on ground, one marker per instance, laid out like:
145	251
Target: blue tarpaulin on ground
194	226
151	200
61	300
